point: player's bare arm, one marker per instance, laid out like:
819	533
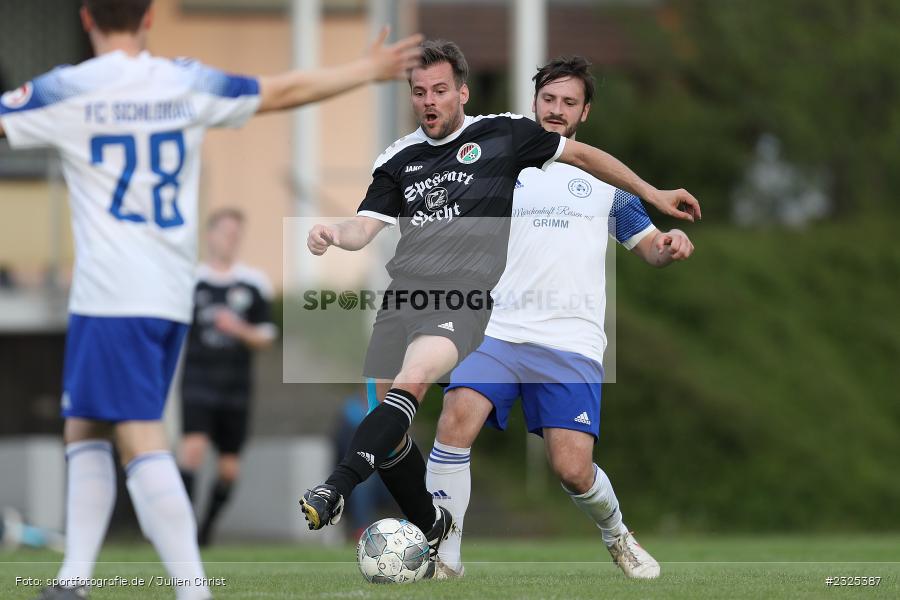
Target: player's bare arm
664	247
675	203
352	234
382	63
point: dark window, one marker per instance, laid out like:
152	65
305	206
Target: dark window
36	36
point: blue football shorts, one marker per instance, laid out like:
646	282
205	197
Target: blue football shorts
119	368
558	388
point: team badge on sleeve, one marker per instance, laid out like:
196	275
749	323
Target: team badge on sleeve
468	153
17	98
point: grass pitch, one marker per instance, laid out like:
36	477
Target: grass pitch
692	568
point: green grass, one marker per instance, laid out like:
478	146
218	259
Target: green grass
693	568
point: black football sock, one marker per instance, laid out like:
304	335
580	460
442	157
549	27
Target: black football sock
188	478
220	494
376	437
404	477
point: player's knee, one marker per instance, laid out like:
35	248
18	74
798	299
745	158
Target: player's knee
414	379
575	477
229	469
192	452
415	373
456	426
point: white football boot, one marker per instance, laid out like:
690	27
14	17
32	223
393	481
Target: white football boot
442	571
634	561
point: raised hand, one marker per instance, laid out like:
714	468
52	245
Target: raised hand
395	60
676	203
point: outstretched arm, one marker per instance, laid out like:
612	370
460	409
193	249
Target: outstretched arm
352	234
382	63
664	247
608	168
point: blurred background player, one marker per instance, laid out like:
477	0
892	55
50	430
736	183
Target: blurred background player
15	532
433	182
550	356
129	127
232	318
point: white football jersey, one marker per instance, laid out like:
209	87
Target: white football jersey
553	291
129	130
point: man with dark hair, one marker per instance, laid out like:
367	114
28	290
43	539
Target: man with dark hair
558	69
232	318
443	184
123	16
130	127
550	355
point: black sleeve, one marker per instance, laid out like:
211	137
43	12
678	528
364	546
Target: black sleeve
532	144
260	311
383	196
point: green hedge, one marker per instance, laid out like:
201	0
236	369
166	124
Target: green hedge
756	390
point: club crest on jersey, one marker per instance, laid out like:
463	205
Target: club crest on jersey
579	188
19	97
436	198
239	299
468	153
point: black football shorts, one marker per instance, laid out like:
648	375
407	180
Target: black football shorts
457	313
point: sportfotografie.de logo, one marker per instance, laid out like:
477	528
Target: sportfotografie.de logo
532	300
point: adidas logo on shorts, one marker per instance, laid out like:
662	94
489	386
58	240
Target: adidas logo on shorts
369	458
583	419
448	326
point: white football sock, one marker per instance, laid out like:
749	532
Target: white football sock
167	519
450	483
90	500
601	505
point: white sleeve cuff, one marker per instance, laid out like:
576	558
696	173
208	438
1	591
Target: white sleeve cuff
376	215
269	330
559	151
634	240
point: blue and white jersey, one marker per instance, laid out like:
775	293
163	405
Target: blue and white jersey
129	130
553	291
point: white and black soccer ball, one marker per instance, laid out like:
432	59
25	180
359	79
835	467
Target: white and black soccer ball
392	551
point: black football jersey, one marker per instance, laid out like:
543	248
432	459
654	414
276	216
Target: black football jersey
217	367
452	198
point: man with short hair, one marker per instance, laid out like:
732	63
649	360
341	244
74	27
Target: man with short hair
232	318
129	127
550	355
450	185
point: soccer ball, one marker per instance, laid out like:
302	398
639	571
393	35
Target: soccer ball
393	551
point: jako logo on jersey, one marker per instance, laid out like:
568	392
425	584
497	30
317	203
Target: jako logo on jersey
579	188
445	214
413	168
19	97
420	188
468	153
436	198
